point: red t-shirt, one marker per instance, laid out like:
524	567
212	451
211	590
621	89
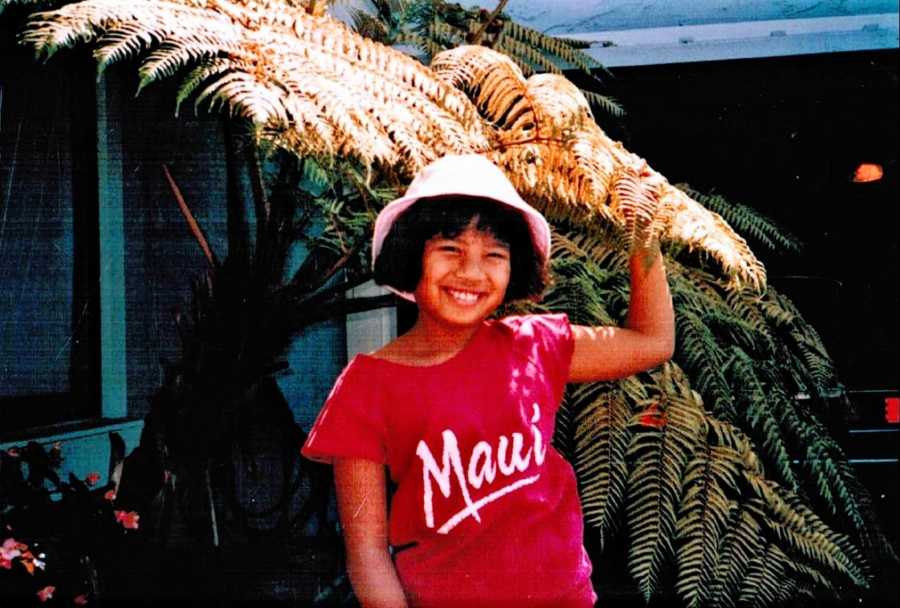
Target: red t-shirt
487	508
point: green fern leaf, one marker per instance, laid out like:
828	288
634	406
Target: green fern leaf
665	433
600	444
741	541
704	514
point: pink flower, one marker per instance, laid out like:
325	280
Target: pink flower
5	563
80	600
92	478
128	519
10	549
13	452
110	495
46	593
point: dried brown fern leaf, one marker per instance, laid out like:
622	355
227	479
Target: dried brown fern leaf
559	158
637	199
287	70
704	230
493	82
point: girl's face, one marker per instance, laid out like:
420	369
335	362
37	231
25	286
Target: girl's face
464	278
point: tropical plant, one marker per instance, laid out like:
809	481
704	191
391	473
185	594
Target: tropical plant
710	464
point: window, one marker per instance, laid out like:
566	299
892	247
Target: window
49	340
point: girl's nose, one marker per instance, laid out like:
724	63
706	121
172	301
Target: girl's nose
470	267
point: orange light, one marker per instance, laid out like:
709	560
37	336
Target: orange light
867	172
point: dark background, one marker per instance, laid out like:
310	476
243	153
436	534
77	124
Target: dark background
784	135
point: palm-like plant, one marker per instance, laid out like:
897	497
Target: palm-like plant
695	460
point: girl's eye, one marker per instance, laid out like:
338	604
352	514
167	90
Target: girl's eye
498	255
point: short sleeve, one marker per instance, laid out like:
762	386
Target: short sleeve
549	341
351	423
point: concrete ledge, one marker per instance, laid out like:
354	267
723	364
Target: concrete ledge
84	445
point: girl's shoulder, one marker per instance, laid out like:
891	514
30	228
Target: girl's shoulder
531	324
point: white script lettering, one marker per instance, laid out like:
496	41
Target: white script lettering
481	468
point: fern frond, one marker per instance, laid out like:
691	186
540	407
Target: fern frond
527	57
741	541
803	341
765	576
704	514
289	70
605	103
753	399
494	83
557	47
601	440
425	44
665	434
747	221
843	550
172	56
705	230
803	532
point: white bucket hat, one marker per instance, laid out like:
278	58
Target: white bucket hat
461	175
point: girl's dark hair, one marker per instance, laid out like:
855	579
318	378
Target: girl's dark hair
399	264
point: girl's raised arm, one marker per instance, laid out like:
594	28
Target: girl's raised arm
648	338
362	507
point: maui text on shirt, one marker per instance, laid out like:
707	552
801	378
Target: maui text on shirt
481	468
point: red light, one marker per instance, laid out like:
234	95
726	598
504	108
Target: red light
868	172
892	410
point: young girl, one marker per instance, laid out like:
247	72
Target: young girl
461	408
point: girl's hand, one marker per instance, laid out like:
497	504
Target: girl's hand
648	338
362	508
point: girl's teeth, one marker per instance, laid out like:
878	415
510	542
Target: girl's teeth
464	297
